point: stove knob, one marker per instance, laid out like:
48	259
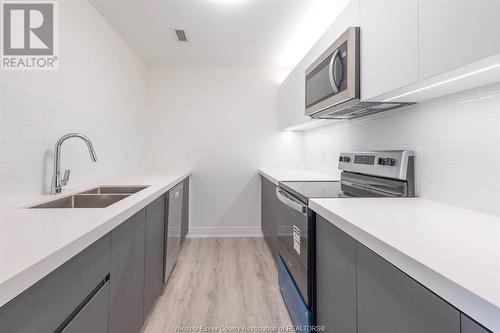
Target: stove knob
391	162
341	159
347	159
382	161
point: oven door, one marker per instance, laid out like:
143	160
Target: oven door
293	240
334	77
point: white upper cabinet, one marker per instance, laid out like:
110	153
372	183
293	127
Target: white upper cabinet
292	90
410	51
389	45
453	33
292	100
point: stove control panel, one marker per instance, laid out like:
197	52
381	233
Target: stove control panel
387	163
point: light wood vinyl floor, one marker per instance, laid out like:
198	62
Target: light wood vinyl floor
220	283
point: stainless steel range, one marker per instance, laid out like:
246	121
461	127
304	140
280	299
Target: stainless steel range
364	174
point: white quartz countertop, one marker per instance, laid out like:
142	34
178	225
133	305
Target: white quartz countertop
281	175
455	252
33	242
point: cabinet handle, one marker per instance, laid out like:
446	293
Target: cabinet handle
79	308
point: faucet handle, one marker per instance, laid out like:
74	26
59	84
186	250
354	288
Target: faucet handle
65	179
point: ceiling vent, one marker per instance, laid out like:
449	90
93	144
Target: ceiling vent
181	35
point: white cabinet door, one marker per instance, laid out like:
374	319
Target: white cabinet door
453	33
292	99
389	45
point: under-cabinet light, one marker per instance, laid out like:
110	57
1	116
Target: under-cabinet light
301	127
459	77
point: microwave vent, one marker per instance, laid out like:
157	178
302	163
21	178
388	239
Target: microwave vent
356	109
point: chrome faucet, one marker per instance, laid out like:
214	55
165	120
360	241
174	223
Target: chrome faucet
57	182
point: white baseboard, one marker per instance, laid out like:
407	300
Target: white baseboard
225	232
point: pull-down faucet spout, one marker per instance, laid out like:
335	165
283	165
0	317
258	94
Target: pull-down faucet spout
57	182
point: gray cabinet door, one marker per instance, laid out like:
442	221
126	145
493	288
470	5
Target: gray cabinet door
47	304
185	210
127	275
154	252
270	215
470	326
335	278
389	301
93	317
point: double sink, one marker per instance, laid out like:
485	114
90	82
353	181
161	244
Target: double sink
98	197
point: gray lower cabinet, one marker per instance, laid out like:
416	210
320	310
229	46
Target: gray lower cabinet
110	286
270	208
470	326
154	252
389	301
336	278
126	312
185	210
49	303
93	317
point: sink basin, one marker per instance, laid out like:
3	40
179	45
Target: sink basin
84	201
121	189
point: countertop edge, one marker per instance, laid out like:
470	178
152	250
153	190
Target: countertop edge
269	177
461	298
17	284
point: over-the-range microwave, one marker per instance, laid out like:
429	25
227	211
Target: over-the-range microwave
333	82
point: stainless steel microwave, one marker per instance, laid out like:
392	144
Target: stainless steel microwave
333	82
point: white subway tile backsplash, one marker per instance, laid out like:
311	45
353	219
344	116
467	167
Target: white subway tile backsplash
30	124
10	132
485	154
456	140
12	152
10	93
482	130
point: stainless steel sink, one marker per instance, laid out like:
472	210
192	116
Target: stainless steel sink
115	189
84	201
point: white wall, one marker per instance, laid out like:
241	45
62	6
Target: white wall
456	139
222	122
99	90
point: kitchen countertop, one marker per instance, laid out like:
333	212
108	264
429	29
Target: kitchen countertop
281	175
34	242
455	252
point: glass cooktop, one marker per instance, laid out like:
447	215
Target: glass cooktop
323	189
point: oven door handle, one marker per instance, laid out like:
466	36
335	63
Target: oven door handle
284	198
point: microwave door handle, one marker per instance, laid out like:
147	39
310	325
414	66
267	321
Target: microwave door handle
290	203
330	72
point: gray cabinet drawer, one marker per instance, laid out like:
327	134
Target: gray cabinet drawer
389	301
48	303
93	317
470	326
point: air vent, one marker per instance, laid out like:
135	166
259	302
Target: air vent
181	35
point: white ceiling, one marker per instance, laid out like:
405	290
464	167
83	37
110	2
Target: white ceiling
268	33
